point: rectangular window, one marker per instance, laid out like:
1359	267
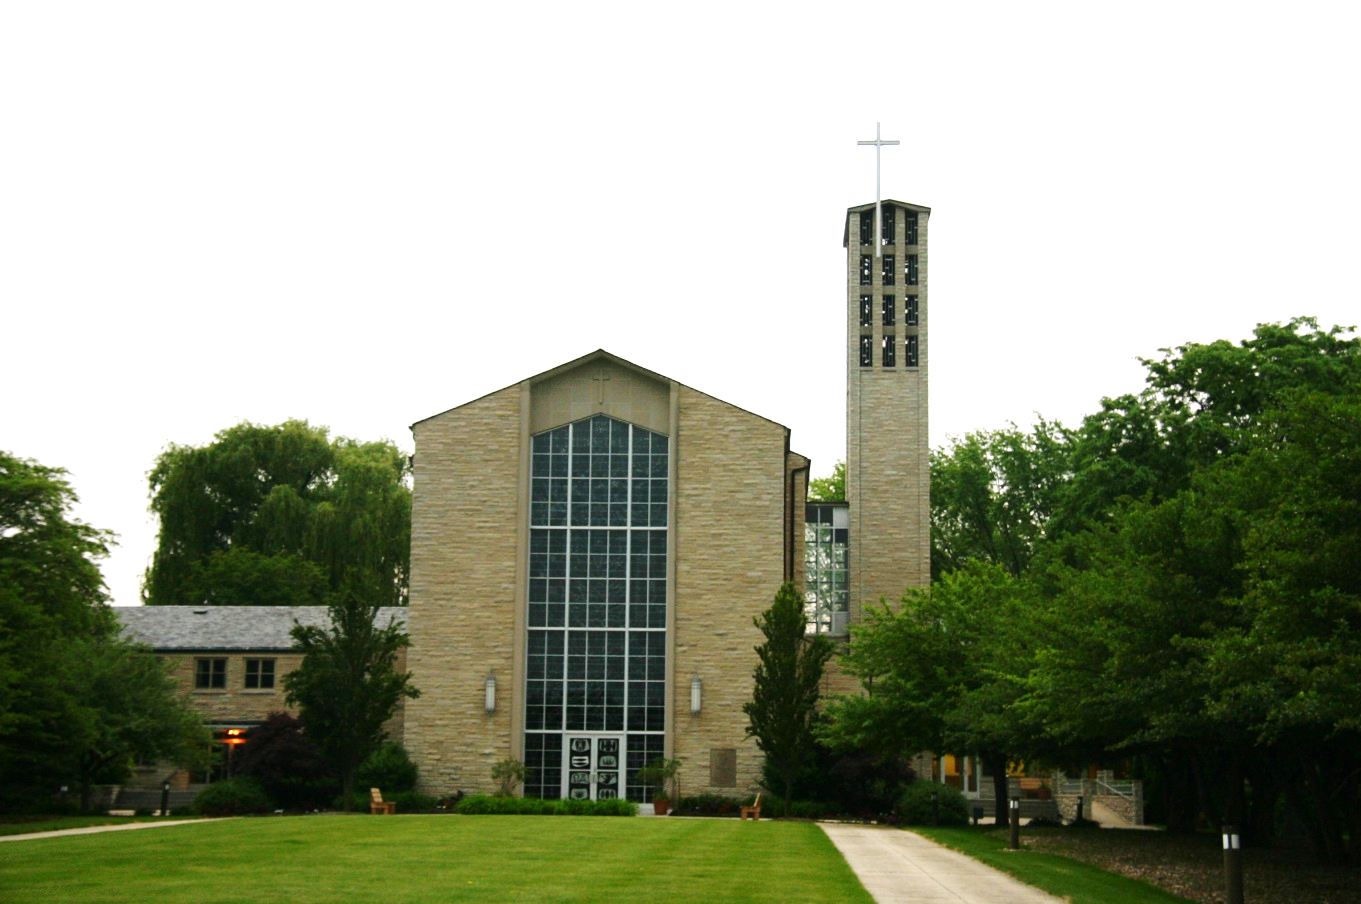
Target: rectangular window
866	311
866	269
910	217
889	261
826	563
910	270
890	224
889	308
866	227
890	347
259	674
210	674
910	311
866	351
910	352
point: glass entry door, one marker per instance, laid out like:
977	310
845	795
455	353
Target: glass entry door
594	767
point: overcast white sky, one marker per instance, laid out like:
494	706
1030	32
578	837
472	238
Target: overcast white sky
364	214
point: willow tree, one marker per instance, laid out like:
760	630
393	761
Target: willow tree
277	515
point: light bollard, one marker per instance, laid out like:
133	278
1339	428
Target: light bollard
1233	866
1015	823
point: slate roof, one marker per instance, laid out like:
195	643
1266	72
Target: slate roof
226	627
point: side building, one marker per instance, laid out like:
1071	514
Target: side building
231	661
589	548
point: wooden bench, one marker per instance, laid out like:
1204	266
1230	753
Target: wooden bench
380	806
754	811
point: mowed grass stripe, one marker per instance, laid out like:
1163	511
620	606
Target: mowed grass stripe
1073	880
436	858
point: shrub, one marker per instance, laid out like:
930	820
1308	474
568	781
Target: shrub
508	775
287	764
708	805
389	769
234	797
487	805
772	805
915	808
411	802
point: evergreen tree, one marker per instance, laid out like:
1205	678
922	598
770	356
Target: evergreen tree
348	684
784	706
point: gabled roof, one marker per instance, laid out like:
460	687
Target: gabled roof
598	355
199	628
846	229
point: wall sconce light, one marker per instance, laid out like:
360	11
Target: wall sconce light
491	693
696	695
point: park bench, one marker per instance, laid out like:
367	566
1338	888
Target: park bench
380	806
754	811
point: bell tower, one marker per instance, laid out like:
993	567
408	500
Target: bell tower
888	477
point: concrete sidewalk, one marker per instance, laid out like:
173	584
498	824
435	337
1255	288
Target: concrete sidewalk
898	866
91	830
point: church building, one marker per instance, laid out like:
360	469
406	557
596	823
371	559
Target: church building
590	546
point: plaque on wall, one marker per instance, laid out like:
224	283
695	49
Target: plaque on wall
723	767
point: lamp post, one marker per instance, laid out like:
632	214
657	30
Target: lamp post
1233	866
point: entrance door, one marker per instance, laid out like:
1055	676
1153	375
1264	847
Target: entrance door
594	768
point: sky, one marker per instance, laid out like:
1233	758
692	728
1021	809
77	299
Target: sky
363	214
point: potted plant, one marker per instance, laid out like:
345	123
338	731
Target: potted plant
660	776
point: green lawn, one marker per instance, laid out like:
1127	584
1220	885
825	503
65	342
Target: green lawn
435	858
1077	882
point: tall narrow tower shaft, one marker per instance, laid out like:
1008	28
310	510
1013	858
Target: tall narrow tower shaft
888	477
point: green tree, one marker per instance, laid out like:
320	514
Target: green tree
1182	591
131	712
348	684
831	488
940	671
1198	406
278	516
77	705
784	705
992	495
1203	605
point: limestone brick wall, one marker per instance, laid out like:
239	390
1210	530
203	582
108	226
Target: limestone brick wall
235	703
730	480
463	591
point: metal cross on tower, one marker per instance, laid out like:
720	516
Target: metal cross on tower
878	213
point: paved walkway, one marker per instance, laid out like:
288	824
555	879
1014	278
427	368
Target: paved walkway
90	830
897	866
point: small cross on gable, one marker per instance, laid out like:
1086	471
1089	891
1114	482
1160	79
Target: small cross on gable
602	376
